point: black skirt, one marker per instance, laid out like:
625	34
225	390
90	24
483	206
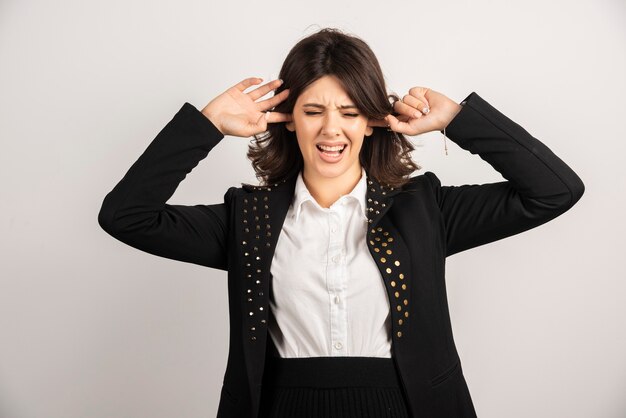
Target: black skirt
337	387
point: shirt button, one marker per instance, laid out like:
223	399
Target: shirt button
337	299
338	345
336	259
333	228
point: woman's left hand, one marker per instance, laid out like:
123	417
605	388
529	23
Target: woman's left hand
422	110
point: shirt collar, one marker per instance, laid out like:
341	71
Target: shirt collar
302	194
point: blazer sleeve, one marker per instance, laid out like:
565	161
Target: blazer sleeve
135	211
539	186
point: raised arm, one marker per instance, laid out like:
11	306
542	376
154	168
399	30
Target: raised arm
539	186
135	211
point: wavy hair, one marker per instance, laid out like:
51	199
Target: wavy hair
385	154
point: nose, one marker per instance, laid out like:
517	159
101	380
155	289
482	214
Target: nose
331	126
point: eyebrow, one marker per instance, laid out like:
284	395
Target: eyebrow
323	107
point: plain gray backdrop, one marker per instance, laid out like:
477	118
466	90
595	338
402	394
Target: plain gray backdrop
90	327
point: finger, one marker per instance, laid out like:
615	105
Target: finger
274	117
384	123
377	122
405	109
397	125
417	103
264	89
244	84
273	101
421	93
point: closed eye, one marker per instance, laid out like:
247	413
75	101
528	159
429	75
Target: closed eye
345	114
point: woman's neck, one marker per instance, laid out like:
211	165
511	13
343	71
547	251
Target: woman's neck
326	190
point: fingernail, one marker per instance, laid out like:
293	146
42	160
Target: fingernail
426	110
281	80
417	114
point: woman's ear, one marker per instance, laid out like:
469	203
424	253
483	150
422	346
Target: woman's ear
290	126
369	130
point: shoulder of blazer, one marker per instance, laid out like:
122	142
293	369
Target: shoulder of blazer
420	182
233	192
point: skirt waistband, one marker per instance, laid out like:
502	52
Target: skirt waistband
332	372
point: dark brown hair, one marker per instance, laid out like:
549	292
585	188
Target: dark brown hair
385	155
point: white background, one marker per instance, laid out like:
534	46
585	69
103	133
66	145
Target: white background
90	327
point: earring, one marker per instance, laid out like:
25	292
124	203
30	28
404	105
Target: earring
444	140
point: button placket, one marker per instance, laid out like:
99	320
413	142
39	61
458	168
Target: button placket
336	277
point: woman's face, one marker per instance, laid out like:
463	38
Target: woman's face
322	116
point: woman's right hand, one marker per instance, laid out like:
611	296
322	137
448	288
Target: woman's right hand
237	113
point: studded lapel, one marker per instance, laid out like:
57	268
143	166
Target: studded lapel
262	210
389	252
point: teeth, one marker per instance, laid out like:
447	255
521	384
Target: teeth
326	148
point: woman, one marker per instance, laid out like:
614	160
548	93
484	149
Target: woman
336	261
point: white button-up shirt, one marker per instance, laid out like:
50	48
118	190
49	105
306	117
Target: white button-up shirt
328	297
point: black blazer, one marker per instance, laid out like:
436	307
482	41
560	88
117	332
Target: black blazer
411	232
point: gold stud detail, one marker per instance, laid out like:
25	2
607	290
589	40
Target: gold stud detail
400	321
399	333
383	259
397	263
393	284
388	270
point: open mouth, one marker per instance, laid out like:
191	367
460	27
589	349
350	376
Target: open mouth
332	151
